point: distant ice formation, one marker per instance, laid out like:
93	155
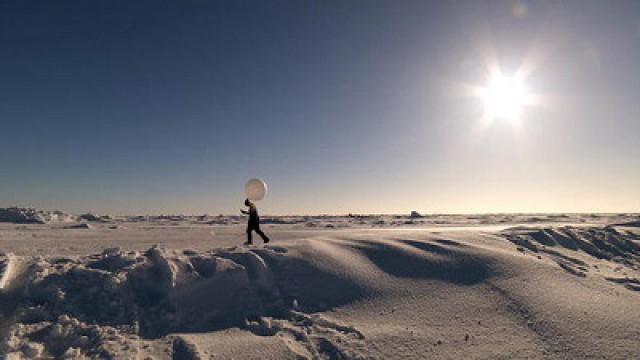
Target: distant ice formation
18	215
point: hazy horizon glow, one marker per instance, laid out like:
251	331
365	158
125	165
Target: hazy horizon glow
368	107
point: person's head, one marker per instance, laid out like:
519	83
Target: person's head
248	203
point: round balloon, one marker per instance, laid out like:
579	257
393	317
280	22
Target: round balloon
255	189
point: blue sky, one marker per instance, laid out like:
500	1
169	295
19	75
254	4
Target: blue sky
168	107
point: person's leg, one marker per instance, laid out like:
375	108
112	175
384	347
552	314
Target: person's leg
249	237
262	235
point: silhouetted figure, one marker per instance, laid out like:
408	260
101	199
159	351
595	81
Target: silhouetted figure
254	222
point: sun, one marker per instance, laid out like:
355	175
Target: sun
504	97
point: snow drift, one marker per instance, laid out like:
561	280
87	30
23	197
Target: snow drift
109	305
84	303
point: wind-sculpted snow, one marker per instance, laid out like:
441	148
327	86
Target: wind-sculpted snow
82	304
602	243
384	289
7	268
571	247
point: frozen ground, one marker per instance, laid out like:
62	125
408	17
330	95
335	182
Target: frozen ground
358	287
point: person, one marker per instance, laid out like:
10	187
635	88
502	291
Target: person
254	222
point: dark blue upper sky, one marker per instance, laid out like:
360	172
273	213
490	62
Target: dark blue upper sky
169	106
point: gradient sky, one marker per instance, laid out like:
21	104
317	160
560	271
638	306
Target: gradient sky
341	106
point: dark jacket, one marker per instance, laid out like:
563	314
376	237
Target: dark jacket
254	219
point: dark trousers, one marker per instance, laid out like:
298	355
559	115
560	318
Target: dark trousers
255	228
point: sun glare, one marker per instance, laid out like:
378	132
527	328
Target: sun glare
504	97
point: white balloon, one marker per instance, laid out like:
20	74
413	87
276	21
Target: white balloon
255	189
